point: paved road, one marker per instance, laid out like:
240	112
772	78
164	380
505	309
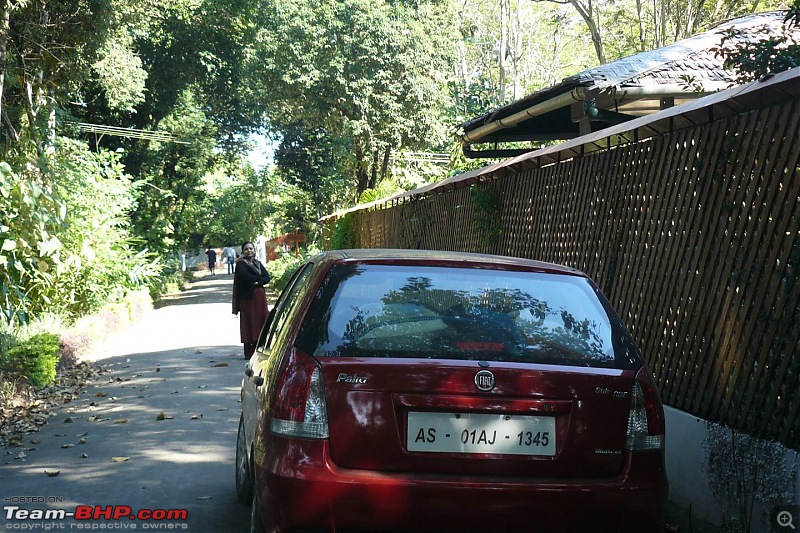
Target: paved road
156	431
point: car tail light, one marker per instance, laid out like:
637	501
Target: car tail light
645	420
298	409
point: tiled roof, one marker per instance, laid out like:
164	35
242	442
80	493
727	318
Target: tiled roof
693	57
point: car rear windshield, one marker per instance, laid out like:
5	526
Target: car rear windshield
369	310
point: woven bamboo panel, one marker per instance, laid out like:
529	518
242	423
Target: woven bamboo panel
693	235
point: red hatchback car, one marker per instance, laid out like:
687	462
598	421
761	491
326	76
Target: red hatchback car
402	390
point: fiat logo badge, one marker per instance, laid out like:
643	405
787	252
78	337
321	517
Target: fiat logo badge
484	380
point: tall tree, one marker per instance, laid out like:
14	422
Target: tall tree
368	70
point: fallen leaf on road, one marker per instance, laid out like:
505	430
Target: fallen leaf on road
221	364
162	416
120	459
204	497
70	445
20	455
223	409
84	456
100	394
121	421
197	417
52	473
82	441
69	420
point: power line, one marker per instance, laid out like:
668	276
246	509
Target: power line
150	135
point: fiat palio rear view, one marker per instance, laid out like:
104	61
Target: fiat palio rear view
399	390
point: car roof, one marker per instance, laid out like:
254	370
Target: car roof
406	256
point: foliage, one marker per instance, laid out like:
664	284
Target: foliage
31	219
384	189
282	269
35	359
344	232
754	59
316	162
173	175
100	260
369	71
488	203
66	241
743	471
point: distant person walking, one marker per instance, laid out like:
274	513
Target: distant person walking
230	258
212	259
249	298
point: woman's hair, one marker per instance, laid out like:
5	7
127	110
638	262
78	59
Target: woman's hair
245	243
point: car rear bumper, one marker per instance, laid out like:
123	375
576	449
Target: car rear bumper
299	488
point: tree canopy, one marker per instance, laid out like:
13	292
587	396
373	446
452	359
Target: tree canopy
125	123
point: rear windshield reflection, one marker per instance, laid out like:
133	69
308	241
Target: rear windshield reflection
453	313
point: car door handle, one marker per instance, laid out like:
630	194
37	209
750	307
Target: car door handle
258	380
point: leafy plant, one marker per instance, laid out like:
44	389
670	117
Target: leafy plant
35	359
746	474
282	269
344	233
773	53
487	204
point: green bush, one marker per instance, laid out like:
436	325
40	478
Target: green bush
282	269
35	359
344	233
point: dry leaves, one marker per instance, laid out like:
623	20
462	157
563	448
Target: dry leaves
120	459
27	409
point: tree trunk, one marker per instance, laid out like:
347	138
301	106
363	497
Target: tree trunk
587	14
641	26
361	172
373	175
385	165
5	25
502	52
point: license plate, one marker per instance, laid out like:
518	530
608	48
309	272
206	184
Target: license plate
481	433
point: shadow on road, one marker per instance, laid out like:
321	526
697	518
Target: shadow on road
156	430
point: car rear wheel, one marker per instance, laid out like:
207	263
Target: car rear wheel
244	483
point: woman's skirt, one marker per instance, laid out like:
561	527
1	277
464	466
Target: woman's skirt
252	315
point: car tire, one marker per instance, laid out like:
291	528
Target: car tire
244	477
255	517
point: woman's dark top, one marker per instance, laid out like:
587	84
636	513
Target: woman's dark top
245	279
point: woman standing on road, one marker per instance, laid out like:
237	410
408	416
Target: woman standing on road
249	298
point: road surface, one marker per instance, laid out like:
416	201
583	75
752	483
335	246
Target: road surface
155	433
